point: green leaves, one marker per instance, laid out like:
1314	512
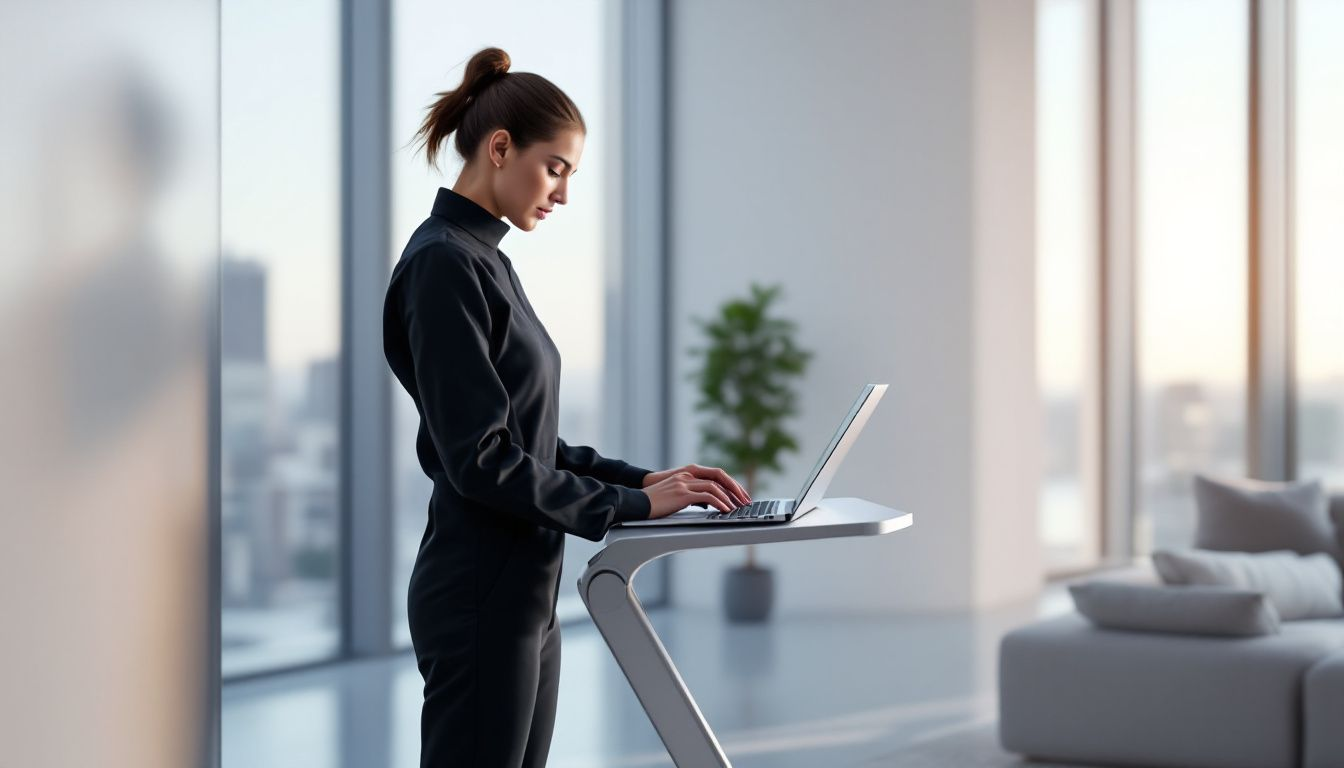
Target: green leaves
745	384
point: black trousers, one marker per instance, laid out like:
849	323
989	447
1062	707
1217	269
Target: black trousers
487	642
490	701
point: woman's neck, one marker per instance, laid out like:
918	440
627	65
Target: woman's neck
478	190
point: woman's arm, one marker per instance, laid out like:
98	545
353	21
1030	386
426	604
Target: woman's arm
466	408
582	460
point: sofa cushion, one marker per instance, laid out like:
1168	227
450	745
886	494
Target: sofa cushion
1071	692
1328	631
1300	587
1337	517
1323	696
1256	516
1204	610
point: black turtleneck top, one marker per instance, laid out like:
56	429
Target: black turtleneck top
462	338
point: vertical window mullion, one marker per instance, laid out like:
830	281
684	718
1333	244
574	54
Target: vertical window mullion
1270	441
366	400
1118	339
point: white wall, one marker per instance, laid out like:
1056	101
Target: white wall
1007	560
875	159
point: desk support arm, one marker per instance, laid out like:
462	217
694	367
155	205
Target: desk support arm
606	591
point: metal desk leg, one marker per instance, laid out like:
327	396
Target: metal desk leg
605	589
621	619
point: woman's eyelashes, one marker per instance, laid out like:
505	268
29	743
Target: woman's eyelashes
553	173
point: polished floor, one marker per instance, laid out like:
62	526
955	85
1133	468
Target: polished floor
834	691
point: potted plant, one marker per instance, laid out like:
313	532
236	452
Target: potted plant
745	384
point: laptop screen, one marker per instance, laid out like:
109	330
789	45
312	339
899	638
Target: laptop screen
835	441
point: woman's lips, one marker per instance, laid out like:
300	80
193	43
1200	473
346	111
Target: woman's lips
541	213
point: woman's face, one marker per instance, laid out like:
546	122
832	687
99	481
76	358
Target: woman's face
531	182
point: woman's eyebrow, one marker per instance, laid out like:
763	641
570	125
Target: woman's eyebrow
566	162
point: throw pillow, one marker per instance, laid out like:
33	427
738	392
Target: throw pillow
1255	516
1299	586
1197	610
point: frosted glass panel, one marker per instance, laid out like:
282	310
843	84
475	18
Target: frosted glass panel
109	209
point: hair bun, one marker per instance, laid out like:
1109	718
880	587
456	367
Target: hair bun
501	61
487	66
527	105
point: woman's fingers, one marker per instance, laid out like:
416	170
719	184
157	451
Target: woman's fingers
695	490
683	488
726	492
709	498
721	499
728	482
722	478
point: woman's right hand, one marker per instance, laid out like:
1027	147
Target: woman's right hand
678	491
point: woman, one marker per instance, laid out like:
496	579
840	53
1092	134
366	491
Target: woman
461	336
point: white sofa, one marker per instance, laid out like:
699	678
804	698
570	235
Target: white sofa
1070	691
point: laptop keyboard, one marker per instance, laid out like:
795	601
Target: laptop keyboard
753	510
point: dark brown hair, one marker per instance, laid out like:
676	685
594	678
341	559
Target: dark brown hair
530	107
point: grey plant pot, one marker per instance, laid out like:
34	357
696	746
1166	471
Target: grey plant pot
748	593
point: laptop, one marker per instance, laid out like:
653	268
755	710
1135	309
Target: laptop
787	510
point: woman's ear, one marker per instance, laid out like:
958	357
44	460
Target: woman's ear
498	146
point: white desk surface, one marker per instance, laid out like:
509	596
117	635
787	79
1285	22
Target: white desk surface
832	518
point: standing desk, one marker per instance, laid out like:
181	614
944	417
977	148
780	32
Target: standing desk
606	590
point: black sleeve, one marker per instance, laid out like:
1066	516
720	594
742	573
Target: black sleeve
466	408
582	460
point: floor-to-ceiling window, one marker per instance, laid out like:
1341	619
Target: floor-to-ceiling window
1067	290
1191	161
1318	237
280	334
1146	183
562	263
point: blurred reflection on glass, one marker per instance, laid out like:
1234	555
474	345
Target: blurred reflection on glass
1067	232
111	232
562	264
1318	197
1192	160
280	334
